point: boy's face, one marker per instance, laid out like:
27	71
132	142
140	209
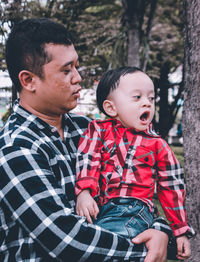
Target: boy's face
133	101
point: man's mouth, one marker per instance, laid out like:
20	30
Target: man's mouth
77	92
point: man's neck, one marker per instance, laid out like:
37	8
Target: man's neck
54	120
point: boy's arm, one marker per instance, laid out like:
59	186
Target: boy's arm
171	189
183	247
86	206
88	160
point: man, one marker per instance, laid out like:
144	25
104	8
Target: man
37	160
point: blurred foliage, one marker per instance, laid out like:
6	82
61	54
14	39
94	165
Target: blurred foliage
178	150
100	36
6	114
98	33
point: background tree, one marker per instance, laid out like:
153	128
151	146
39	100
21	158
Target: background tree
191	119
112	33
151	45
133	21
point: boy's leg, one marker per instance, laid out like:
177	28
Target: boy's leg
126	217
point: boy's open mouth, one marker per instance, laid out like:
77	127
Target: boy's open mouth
144	116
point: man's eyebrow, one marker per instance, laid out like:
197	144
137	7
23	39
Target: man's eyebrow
70	63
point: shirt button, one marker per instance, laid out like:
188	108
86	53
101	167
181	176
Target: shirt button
146	159
54	129
130	207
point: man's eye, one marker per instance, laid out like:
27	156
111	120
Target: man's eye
66	71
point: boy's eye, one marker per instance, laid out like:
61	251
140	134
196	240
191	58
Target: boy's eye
152	98
136	97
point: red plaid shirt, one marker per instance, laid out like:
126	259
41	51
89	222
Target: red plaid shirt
114	161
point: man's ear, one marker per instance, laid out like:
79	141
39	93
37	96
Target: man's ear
109	108
26	79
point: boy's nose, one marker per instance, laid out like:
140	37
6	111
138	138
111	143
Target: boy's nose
146	102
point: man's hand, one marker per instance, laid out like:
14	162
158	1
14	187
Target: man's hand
183	247
156	243
86	206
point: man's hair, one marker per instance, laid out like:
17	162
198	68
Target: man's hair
25	47
109	82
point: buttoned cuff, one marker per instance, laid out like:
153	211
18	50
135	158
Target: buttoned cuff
87	183
183	229
160	224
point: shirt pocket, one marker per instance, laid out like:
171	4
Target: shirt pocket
145	156
139	166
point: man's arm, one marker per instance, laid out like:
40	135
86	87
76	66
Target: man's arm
156	243
37	203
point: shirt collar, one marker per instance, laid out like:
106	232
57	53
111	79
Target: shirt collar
36	122
33	119
149	131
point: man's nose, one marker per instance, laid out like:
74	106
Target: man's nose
76	76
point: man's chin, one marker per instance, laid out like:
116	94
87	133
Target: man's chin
71	107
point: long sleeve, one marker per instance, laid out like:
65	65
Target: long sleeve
40	212
171	189
88	160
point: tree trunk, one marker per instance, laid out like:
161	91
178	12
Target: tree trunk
133	19
164	116
191	120
131	22
133	47
148	34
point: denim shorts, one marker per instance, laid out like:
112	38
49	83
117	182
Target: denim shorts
125	216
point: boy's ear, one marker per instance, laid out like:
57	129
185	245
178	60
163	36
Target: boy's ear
109	108
26	79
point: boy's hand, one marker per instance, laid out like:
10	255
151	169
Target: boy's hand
183	248
86	206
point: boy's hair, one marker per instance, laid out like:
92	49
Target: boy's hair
25	47
109	82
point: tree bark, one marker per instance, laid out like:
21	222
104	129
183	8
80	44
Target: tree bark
164	114
191	119
148	34
131	20
133	47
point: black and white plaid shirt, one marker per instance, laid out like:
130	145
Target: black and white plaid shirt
37	177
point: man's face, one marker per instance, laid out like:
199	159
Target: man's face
133	100
58	91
